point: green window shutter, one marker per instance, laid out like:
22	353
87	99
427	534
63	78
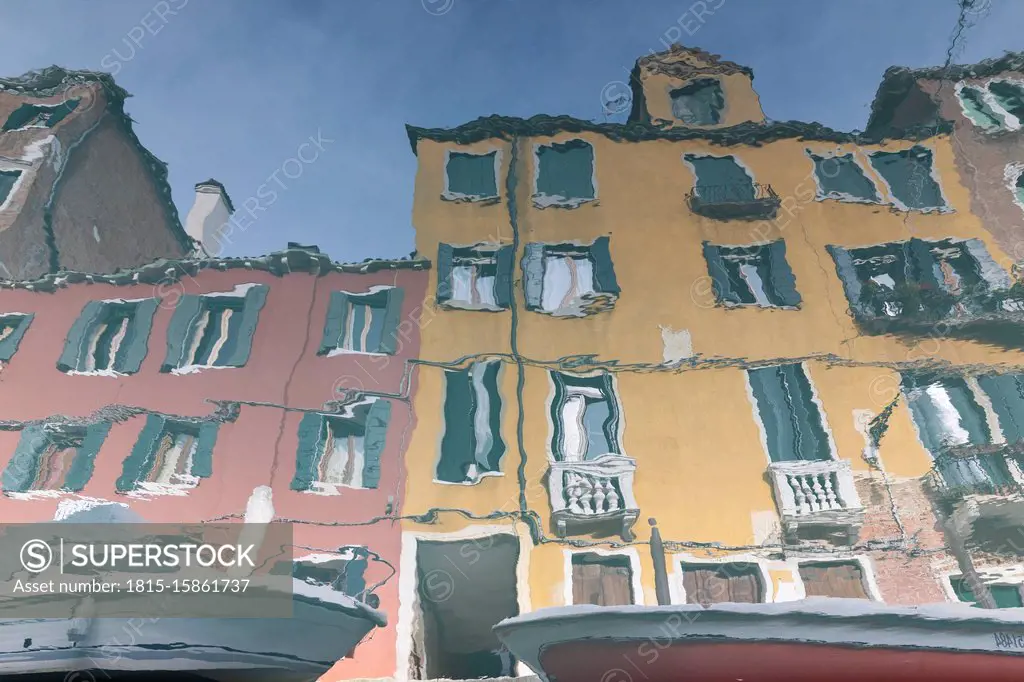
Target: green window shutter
373	441
505	259
458	443
472	175
604	270
782	279
721	179
720	280
445	257
566	171
179	330
533	275
1006	596
255	298
82	465
1006	391
202	459
307	457
990	271
977	109
926	269
847	272
138	346
9	346
21	470
841	177
1010	96
909	175
790	418
137	463
8	179
492	458
22	115
389	342
75	346
334	325
61	111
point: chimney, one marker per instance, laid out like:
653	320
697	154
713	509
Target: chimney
207	217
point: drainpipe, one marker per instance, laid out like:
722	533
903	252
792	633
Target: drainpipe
660	572
958	548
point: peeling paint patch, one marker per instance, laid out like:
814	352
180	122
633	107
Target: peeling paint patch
766	527
677	345
69	507
260	507
149	489
862	423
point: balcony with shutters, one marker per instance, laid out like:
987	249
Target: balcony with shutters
742	201
593	497
983	483
815	498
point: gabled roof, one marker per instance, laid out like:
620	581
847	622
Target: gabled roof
54	80
296	258
899	81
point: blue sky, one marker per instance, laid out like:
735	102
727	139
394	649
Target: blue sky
230	88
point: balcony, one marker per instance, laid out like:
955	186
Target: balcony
991	316
594	497
817	496
737	201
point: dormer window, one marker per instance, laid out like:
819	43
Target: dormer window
39	115
699	103
994	106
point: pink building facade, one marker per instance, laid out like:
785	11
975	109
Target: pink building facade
223	389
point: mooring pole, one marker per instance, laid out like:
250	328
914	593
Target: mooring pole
660	572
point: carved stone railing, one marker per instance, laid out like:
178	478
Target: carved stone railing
595	495
817	493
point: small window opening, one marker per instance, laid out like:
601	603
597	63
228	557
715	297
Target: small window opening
602	580
699	103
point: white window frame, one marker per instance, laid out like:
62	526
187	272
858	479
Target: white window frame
239	291
345	351
862	560
677	592
323	488
458	304
861	162
19	181
631	553
987	577
1010	121
448	195
703	155
887	196
615	397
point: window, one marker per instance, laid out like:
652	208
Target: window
833	579
955	428
1015	179
8	181
792	423
39	115
109	337
908	174
585	415
1010	97
362	323
214	330
902	278
567	280
472	446
721	179
976	107
1005	596
840	177
341	450
601	580
12	328
475	278
54	456
169	454
707	584
564	175
752	275
699	103
471	177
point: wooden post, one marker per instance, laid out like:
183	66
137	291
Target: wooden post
660	572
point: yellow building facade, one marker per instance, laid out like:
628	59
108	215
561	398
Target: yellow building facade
620	381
